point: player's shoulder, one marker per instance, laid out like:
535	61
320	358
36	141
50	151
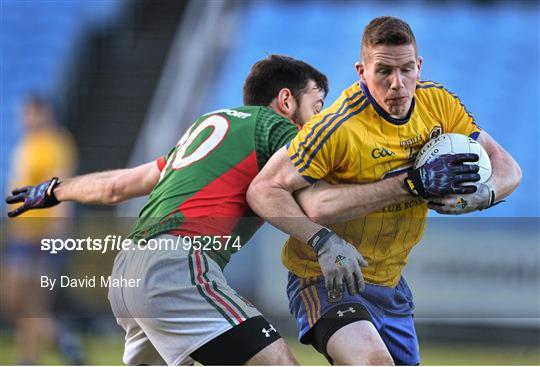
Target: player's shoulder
434	96
350	103
430	90
350	98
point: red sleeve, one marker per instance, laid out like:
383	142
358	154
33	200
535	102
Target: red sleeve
161	162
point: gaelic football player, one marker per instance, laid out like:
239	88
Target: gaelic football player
186	310
365	143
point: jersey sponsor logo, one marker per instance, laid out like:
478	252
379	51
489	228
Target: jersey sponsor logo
392	208
267	332
404	205
377	153
410	144
411	141
232	113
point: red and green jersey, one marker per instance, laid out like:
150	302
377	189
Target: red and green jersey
204	178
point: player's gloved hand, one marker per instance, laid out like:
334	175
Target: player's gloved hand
33	197
443	175
338	260
483	198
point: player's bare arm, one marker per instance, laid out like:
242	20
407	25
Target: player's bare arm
108	188
506	173
327	204
505	177
323	203
270	195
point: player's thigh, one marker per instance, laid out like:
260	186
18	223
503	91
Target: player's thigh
138	350
253	342
358	343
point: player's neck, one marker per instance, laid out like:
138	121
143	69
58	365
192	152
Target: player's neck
396	120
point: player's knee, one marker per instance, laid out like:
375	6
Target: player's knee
358	343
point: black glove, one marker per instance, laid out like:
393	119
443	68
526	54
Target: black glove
33	197
443	175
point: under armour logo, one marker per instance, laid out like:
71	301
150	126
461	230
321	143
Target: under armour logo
267	332
341	313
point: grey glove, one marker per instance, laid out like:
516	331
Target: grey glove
338	260
483	198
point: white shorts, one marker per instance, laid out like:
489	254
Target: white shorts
182	301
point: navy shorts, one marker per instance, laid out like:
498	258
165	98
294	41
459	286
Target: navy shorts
390	311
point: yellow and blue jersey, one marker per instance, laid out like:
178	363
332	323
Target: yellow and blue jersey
356	141
40	156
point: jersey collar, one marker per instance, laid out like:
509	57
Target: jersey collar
385	115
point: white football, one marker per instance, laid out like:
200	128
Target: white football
454	144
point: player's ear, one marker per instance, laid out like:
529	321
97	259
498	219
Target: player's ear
419	65
360	69
285	101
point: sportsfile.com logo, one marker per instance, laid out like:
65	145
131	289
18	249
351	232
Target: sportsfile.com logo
120	243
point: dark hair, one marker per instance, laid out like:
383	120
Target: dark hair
275	72
387	30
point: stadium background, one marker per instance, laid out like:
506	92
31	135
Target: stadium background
127	78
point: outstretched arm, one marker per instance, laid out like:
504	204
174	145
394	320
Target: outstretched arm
109	187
